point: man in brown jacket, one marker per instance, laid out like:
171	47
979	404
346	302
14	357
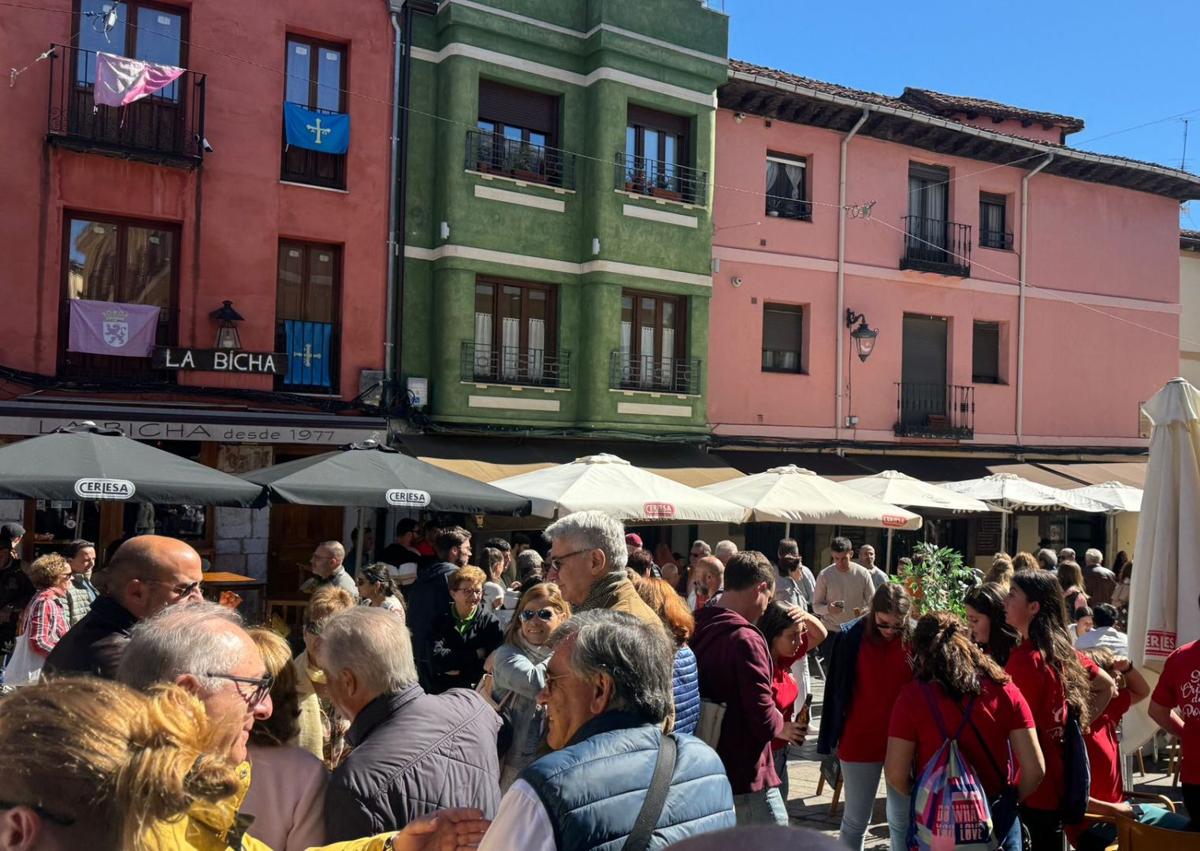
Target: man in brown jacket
588	553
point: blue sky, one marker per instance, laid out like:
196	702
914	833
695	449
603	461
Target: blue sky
1115	65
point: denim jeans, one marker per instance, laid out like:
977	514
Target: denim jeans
780	759
764	807
860	786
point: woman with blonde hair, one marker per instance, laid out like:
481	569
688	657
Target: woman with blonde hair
287	789
322	733
43	622
1001	571
519	673
1025	561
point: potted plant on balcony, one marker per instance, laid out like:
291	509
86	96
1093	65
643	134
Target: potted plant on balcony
526	165
662	189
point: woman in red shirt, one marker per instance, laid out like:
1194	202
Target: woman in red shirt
788	639
1045	667
873	652
956	673
989	628
1107	796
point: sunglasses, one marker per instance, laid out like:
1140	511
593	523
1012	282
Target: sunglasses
884	627
182	590
530	614
261	687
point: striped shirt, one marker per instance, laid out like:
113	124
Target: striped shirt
45	620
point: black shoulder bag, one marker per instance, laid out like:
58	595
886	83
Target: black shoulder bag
656	797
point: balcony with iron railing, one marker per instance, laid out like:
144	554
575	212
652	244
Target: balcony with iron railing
166	127
672	181
936	245
937	411
657	374
490	153
515	365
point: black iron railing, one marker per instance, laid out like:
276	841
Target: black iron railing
996	239
935	410
789	208
491	153
515	365
936	245
315	168
165	127
646	372
660	179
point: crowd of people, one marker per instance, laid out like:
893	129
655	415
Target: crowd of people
597	696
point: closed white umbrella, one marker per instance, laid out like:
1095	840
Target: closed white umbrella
898	489
794	495
1166	581
613	485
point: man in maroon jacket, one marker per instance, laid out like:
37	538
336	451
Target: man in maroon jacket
735	669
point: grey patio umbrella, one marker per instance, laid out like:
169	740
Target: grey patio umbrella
370	475
88	462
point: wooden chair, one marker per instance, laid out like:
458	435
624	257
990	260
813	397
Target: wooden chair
837	792
1130	832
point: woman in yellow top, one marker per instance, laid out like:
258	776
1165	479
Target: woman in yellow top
93	764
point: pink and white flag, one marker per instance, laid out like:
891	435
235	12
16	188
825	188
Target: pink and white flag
109	328
121	80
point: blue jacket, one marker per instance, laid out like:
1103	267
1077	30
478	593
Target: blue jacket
839	684
594	787
686	684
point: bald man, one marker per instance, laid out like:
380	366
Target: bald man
146	575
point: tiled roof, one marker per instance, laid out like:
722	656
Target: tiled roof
938	103
1189	239
818	85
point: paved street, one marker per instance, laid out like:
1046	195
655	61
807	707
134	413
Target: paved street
808	809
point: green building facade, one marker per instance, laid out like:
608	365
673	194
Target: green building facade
559	231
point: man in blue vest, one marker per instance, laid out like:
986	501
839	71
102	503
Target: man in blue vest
607	696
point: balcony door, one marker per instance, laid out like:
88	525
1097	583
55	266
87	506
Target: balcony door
928	212
923	370
515	333
652	340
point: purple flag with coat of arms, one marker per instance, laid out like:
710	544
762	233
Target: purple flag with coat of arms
110	328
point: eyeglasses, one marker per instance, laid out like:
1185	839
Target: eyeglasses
469	590
262	687
65	821
530	614
557	561
184	589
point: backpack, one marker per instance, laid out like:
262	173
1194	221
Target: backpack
949	809
1077	771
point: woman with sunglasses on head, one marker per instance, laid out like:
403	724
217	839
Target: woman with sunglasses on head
519	672
868	666
1054	679
375	588
985	616
956	683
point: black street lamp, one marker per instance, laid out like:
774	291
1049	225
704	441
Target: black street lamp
863	336
227	332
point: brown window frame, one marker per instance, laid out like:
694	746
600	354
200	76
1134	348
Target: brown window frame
106	366
800	312
314	167
335	346
551	291
681	303
131	27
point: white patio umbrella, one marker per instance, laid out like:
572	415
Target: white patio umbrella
613	485
794	495
1114	496
898	489
1010	492
1166	583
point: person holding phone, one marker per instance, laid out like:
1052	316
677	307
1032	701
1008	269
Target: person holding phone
844	588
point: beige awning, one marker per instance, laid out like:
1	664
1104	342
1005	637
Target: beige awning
489	459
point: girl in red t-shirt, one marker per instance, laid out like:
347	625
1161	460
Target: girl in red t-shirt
1045	667
955	672
1107	796
881	670
985	615
788	639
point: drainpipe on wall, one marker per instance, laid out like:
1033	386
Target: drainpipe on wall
393	244
840	318
1020	415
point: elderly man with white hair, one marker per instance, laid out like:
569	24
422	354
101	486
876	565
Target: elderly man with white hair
588	557
204	649
414	753
725	550
1098	581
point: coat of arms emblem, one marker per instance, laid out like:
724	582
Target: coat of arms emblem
116	328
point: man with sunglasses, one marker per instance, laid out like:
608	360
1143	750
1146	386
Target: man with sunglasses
147	574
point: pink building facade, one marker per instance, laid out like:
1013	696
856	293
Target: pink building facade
994	333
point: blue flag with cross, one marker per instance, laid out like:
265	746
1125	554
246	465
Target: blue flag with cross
327	132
